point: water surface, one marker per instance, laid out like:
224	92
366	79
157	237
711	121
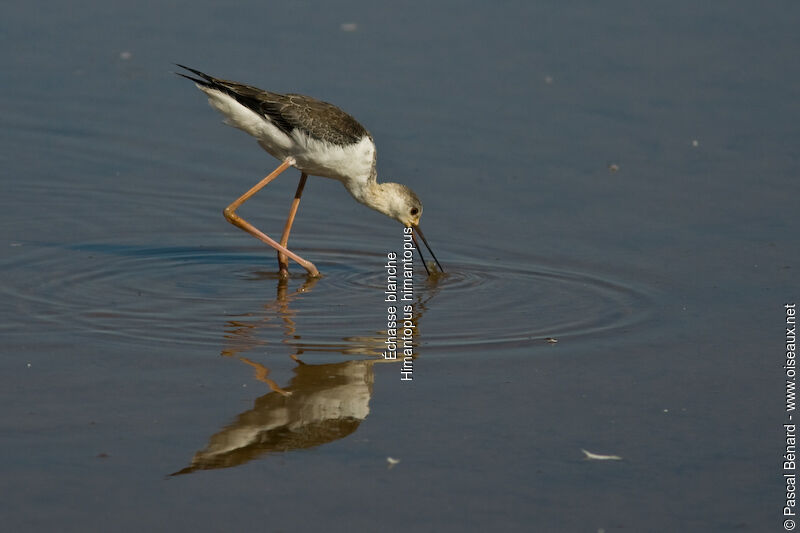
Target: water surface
610	188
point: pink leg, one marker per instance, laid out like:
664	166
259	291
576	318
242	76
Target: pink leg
236	220
283	264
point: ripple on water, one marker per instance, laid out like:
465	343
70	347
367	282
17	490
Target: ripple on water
479	304
230	296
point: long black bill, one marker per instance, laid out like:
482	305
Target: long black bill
419	251
428	246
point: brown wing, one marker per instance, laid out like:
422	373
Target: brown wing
288	112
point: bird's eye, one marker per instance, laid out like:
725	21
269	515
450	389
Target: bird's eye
414	211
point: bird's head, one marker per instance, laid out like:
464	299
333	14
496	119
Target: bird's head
400	203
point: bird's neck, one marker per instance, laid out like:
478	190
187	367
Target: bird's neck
372	194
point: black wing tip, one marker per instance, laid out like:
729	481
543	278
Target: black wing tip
207	80
196	80
194	71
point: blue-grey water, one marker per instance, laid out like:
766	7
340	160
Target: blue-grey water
611	187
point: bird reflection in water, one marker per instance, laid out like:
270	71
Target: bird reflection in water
322	402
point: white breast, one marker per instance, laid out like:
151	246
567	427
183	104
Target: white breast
350	164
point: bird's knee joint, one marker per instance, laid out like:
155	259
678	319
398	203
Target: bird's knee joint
230	213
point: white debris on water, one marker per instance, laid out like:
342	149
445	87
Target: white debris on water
600	457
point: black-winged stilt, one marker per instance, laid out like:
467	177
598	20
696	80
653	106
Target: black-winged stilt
317	138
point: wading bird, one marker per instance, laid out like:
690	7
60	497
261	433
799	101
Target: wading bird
318	139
